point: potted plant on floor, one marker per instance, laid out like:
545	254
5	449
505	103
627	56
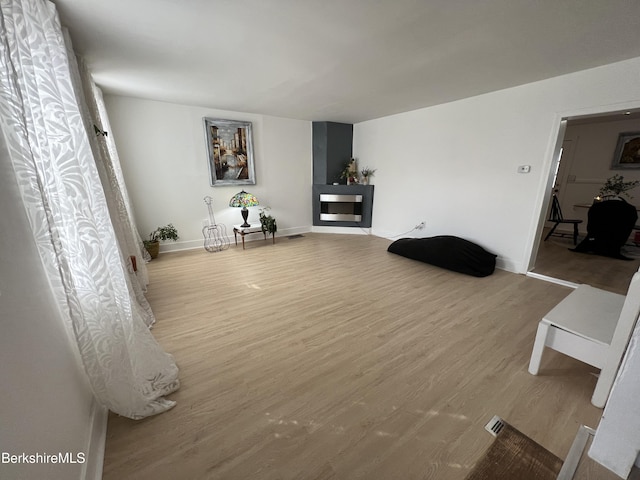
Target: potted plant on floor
168	232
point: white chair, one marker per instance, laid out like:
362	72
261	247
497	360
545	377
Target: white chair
593	326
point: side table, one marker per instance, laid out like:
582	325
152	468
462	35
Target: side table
242	231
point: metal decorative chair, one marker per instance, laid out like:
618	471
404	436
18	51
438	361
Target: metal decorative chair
555	216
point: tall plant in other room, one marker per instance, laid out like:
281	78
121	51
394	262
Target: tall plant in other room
617	186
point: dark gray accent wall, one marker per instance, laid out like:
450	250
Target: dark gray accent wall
332	148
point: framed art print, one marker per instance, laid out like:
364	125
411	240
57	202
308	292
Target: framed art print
230	152
627	153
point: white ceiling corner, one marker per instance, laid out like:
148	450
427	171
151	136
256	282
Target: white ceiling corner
338	60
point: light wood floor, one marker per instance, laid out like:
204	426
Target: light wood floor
325	357
555	260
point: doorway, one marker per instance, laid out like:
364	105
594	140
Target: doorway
582	163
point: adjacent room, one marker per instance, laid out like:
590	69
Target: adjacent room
584	170
308	240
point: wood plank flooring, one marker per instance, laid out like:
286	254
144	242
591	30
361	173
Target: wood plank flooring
325	357
555	260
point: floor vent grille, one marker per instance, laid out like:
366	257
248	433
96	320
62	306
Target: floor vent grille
495	426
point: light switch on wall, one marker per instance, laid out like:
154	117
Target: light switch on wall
524	168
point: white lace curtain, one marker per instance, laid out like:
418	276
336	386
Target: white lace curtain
96	123
59	163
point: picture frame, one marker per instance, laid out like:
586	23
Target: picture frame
229	152
627	152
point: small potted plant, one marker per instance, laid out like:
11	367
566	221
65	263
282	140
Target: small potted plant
367	172
267	221
617	186
168	232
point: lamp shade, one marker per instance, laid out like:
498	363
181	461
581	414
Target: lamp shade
244	200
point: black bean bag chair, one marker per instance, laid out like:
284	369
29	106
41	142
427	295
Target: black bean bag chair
446	251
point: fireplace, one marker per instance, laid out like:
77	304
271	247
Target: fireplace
342	205
340	208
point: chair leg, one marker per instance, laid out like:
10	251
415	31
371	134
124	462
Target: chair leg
575	233
551	231
538	348
603	387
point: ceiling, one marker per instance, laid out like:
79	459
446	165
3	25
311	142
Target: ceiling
340	60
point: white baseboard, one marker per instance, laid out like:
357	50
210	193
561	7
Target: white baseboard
558	281
97	438
199	243
293	231
178	246
341	230
509	265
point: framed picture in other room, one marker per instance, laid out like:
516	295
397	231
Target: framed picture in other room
229	152
627	153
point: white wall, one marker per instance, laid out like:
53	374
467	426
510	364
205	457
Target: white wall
163	153
45	404
454	166
591	149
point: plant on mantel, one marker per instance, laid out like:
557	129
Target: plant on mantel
350	172
367	172
168	232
